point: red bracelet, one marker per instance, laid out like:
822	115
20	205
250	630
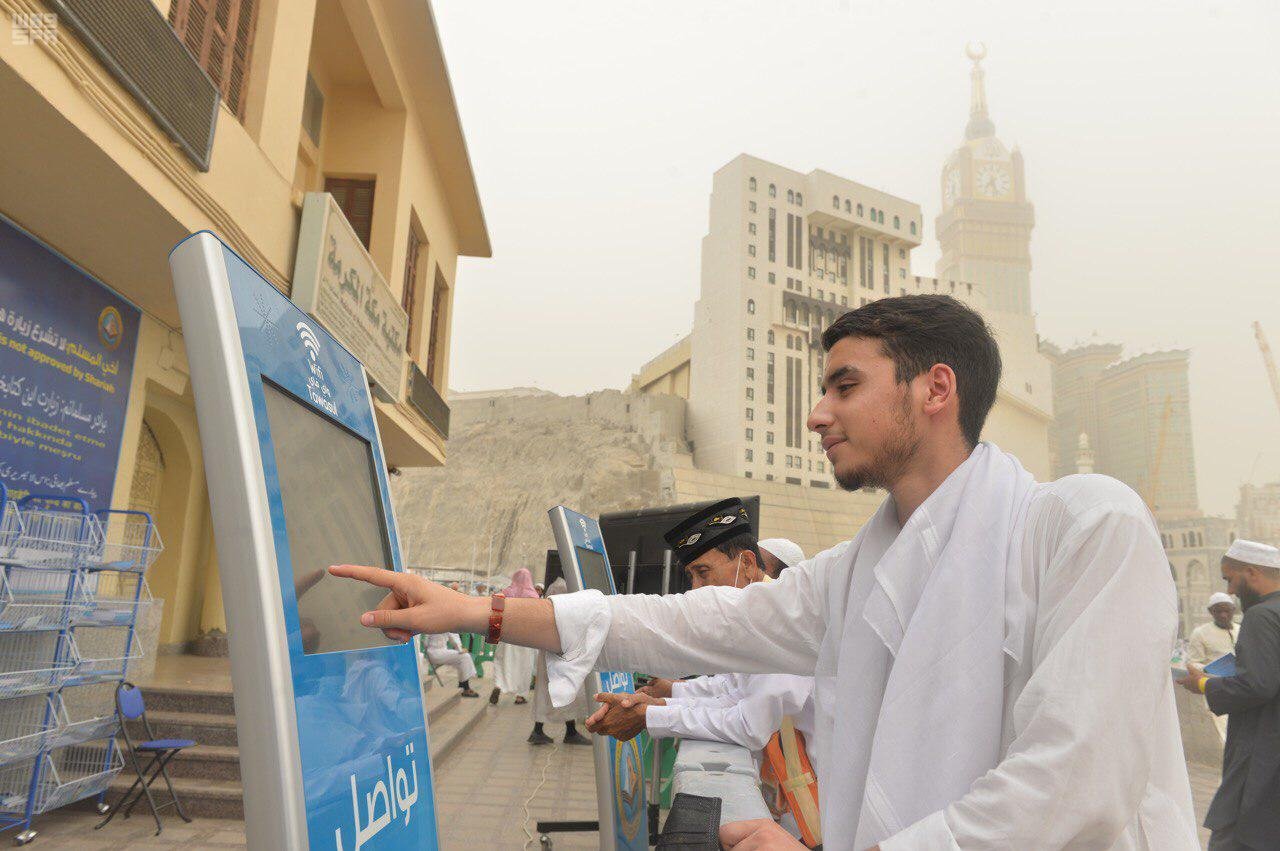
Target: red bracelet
498	603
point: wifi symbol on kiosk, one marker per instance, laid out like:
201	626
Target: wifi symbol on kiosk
309	339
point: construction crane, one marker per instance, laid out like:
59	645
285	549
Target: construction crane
1268	361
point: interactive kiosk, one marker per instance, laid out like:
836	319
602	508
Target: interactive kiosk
620	794
330	716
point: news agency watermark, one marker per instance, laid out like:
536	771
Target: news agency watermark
35	28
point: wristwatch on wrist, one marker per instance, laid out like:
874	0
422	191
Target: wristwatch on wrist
497	604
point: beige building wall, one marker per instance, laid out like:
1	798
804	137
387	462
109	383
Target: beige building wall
1258	513
89	172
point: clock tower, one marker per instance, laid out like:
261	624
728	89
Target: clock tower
984	230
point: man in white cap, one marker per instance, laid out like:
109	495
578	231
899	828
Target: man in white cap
778	554
1245	813
1215	639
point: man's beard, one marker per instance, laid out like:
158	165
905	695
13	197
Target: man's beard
891	461
1247	597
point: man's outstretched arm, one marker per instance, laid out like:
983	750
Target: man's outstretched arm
415	605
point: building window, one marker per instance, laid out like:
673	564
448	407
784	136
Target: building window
773	234
768	437
751	272
751	250
751	373
751	305
770	336
751	333
751	414
902	254
835	201
355	197
822	466
880	217
769	417
409	297
846	205
769	355
773	279
751	393
844	301
859	211
749	454
220	37
436	327
885	271
791	197
902	273
913	228
773	191
751	228
897	225
751	434
312	109
768	459
751	353
751	184
873	214
752	206
799	198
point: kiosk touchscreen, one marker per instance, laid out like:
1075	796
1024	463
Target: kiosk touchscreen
331	721
620	792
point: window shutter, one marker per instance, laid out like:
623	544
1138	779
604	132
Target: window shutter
219	34
437	329
355	197
410	298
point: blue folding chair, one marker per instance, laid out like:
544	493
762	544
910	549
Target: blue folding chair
131	707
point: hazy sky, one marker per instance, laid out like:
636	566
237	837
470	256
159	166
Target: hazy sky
1151	133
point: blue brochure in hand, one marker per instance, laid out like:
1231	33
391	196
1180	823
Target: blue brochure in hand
1223	666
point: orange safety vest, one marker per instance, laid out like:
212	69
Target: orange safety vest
786	769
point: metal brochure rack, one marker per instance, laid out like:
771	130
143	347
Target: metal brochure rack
72	584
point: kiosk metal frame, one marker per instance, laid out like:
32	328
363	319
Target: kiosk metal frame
620	788
327	735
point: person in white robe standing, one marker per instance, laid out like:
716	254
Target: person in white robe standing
961	702
512	664
1215	639
544	712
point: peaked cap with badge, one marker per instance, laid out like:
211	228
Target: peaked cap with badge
708	528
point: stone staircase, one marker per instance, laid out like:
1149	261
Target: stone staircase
207	777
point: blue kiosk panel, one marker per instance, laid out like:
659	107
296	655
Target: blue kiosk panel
331	720
620	790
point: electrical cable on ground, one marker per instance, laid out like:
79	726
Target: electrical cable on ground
546	764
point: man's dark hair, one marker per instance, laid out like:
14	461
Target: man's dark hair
918	331
743	543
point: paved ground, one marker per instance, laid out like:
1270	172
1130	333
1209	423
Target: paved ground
484	784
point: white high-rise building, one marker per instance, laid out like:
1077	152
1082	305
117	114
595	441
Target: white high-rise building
786	253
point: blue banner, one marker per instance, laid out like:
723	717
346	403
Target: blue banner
66	356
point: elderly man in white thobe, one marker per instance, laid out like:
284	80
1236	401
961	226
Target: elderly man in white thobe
954	710
444	650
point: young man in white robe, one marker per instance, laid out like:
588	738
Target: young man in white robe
961	703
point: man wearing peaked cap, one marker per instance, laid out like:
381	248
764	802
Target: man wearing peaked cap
717	546
1245	813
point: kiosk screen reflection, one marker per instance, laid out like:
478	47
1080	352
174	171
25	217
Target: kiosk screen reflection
332	515
595	571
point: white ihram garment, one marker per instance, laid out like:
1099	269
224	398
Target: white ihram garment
513	668
748	716
954	710
440	654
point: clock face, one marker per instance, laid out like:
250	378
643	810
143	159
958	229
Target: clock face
951	187
993	181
